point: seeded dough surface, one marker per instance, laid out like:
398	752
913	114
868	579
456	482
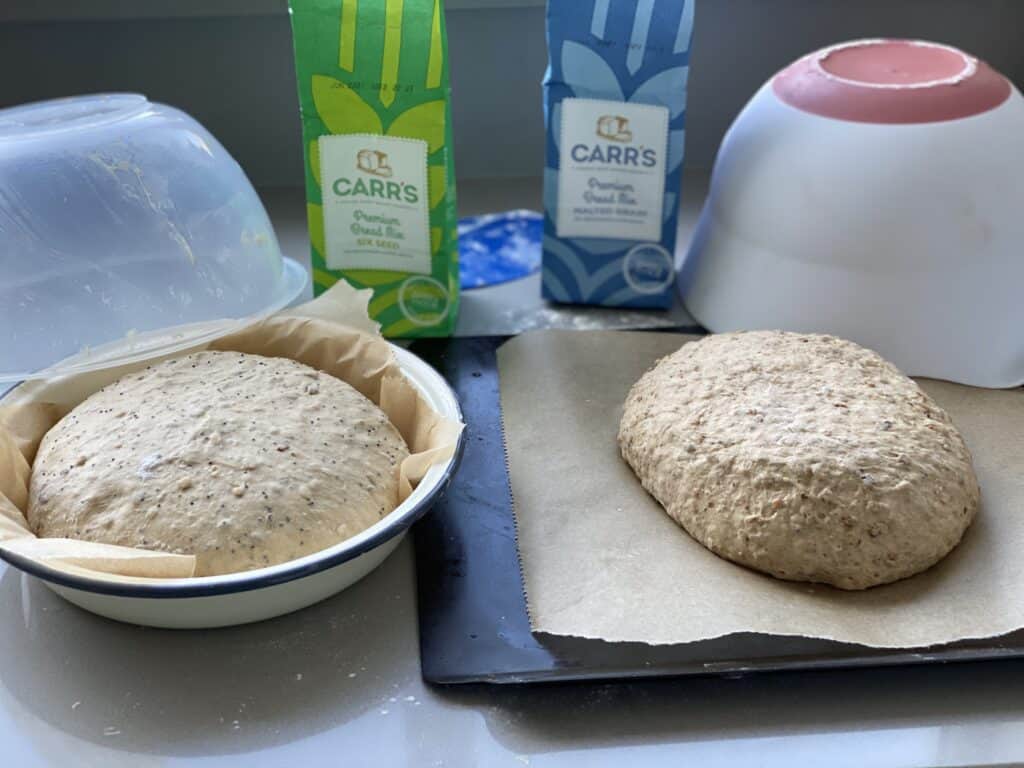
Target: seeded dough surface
242	460
803	456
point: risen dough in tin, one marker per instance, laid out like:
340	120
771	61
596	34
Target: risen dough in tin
242	460
804	456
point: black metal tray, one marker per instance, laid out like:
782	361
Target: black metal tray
472	613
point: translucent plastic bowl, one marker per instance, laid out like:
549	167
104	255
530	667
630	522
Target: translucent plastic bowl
121	220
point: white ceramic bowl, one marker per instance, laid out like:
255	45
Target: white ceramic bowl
903	236
122	217
238	598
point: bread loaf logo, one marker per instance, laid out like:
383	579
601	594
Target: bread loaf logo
374	162
614	128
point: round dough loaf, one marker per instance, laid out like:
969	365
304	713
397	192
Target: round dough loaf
803	456
242	460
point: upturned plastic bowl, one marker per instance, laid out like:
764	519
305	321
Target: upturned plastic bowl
903	236
240	598
121	217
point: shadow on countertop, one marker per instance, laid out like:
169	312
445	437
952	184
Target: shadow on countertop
202	692
954	703
130	692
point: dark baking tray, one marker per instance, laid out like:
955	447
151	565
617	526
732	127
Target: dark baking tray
472	614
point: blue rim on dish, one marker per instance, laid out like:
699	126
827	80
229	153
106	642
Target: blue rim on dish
243	581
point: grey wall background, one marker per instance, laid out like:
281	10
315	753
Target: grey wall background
234	70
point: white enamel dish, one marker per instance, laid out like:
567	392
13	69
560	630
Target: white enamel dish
239	598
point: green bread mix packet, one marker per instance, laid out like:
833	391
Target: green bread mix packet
380	181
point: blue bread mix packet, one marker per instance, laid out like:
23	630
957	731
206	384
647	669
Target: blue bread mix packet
614	111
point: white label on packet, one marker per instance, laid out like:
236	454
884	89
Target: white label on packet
375	203
611	180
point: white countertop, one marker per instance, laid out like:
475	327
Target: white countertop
339	684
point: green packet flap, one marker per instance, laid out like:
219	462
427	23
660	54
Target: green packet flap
380	182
